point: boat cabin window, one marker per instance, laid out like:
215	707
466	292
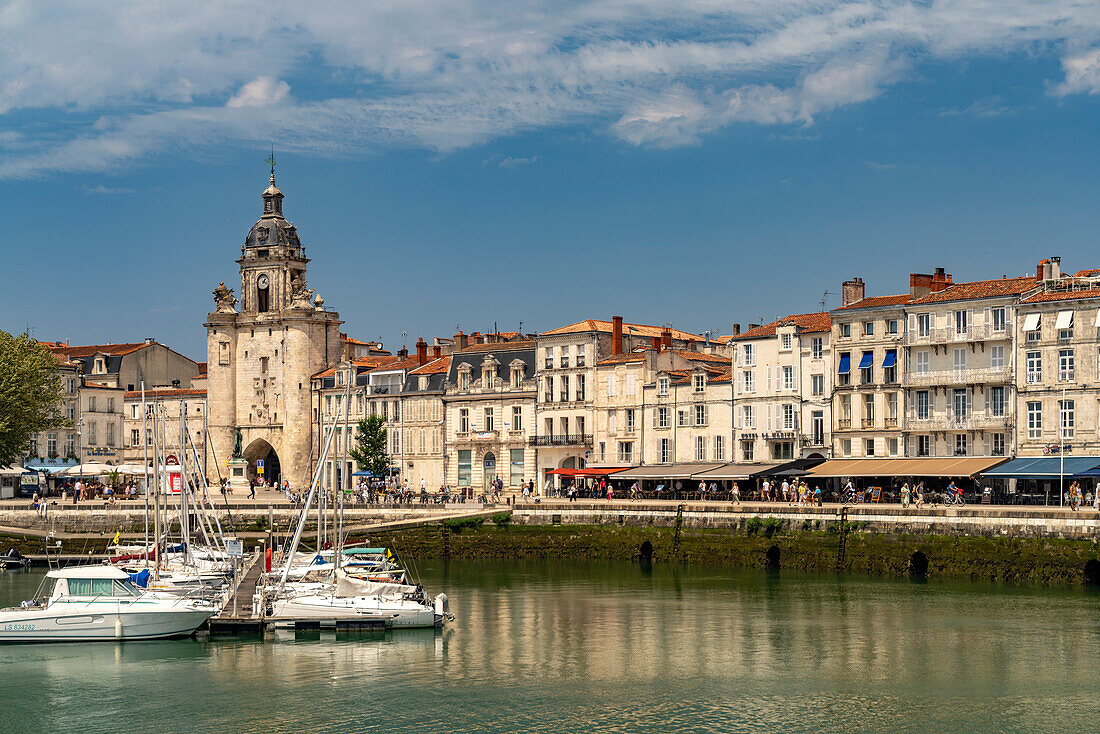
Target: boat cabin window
101	587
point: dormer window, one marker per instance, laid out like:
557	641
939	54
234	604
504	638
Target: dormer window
100	367
785	342
700	381
464	377
423	383
662	386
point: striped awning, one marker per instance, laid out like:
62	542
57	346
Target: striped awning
955	466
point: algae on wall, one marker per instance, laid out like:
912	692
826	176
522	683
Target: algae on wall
1013	560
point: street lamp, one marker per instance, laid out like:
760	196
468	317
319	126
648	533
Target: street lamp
79	449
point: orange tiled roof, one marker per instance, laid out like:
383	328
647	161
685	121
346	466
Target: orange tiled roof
1063	295
606	327
60	348
624	358
980	289
806	322
1087	273
370	362
877	302
409	363
166	393
434	367
100	386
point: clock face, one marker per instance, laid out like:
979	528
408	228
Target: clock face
262	281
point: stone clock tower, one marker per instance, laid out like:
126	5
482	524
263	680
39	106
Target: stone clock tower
260	358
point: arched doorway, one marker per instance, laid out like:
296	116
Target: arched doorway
261	451
489	469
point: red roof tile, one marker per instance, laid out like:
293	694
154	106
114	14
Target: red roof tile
166	393
877	302
434	367
806	323
607	327
91	349
1063	296
980	289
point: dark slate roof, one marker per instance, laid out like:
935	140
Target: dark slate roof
503	352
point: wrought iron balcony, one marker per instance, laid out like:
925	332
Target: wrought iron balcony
563	439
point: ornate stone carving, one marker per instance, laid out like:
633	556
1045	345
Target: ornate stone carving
224	300
318	304
300	295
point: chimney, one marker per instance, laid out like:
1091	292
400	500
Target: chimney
461	341
403	352
753	326
617	335
851	291
1055	268
437	352
666	338
656	343
691	345
421	351
920	285
940	280
1041	270
150	340
736	329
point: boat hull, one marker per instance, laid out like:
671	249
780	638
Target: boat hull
92	624
324	607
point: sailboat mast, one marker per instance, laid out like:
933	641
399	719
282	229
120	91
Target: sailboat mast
156	494
145	448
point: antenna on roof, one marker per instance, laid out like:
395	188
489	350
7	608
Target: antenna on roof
825	295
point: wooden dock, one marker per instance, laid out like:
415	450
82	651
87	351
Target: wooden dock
236	616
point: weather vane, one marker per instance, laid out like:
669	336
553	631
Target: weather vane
270	160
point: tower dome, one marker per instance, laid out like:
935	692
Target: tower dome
273	230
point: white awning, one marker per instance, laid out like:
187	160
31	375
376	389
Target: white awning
1031	321
1065	320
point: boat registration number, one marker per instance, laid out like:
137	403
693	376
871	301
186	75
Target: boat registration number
16	627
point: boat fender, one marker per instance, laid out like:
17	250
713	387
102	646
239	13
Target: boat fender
118	628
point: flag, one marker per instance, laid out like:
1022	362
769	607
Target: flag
115	541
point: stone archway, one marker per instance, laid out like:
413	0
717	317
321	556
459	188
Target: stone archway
489	469
261	450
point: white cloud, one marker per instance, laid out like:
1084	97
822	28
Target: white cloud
263	91
510	162
1082	73
103	86
101	190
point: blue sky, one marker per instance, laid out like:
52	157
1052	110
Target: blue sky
460	164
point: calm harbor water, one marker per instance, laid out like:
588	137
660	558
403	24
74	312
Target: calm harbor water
545	647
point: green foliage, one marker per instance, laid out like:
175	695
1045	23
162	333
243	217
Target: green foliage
30	394
114	478
753	525
771	526
458	524
369	451
502	519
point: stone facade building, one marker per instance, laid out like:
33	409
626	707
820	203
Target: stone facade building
566	370
167	403
654	405
782	391
1057	353
261	358
490	403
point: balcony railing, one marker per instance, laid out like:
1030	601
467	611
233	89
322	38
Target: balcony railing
564	439
973	376
844	423
950	335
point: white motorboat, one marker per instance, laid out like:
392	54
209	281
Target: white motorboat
395	611
91	603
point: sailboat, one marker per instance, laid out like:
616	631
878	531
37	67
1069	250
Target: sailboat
343	596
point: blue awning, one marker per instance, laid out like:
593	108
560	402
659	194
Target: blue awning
845	364
1044	467
867	360
891	359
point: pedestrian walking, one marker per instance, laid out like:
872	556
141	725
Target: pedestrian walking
905	495
735	494
252	488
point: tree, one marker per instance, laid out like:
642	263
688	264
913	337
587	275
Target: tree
30	394
369	451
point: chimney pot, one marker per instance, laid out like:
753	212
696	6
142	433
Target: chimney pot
736	329
616	335
666	338
437	351
461	341
421	351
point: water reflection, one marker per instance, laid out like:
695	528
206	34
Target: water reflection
543	647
